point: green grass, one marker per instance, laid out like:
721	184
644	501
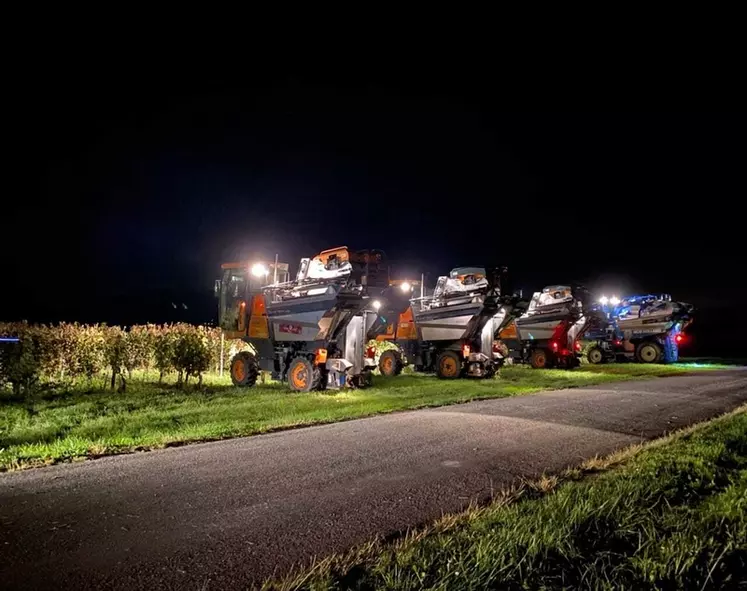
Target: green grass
726	361
90	421
666	515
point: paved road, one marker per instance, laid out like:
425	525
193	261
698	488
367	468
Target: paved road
221	515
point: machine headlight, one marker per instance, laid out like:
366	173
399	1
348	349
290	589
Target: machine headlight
259	270
603	300
376	305
405	286
614	300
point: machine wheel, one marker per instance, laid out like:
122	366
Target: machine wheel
303	376
648	352
244	369
595	355
390	363
539	359
449	365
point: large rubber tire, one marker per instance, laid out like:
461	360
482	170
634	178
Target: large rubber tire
539	359
595	356
390	363
244	369
648	352
449	365
303	376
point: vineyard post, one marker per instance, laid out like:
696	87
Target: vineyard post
222	337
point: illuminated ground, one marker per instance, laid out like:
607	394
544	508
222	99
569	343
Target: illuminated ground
665	514
223	514
90	420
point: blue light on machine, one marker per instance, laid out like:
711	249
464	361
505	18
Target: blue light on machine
9	340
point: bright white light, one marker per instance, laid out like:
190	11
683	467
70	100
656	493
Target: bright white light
376	305
614	300
258	270
405	286
603	300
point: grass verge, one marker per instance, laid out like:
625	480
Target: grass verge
80	423
669	514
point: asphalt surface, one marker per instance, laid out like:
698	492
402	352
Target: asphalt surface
224	515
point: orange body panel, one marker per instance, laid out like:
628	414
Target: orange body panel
340	251
242	316
405	331
321	357
510	332
258	306
233	334
478	276
258	325
388	335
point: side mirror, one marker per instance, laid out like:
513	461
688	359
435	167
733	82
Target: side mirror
217	288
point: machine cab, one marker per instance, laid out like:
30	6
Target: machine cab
238	282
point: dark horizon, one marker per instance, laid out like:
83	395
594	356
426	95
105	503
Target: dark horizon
133	199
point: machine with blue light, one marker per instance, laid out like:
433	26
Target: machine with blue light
644	328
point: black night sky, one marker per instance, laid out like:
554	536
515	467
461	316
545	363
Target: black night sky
132	193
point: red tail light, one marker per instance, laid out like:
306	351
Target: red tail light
371	352
618	343
577	346
554	345
679	338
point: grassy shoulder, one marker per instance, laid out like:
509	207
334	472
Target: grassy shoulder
85	422
668	514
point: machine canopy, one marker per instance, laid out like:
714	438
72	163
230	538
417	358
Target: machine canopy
551	296
461	282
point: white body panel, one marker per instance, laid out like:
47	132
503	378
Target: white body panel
575	331
354	336
487	336
537	330
451	328
317	270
